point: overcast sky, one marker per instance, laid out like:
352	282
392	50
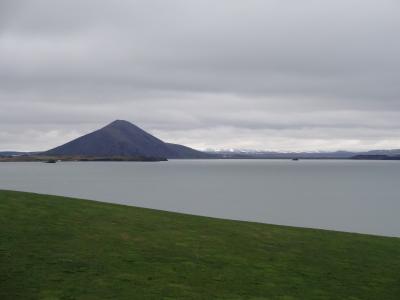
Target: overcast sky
269	74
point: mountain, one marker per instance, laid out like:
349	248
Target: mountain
122	138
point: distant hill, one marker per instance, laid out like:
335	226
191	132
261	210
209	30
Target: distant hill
393	152
122	138
10	153
252	154
16	153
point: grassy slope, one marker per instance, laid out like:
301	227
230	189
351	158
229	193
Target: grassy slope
61	248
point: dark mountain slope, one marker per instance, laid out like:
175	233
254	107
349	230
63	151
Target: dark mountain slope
122	138
180	151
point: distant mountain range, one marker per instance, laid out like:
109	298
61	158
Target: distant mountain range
122	138
253	154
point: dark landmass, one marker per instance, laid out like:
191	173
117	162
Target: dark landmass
53	158
123	139
62	248
51	161
180	151
375	157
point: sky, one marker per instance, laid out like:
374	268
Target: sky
279	75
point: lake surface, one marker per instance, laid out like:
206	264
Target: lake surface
356	196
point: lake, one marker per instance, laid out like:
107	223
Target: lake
345	195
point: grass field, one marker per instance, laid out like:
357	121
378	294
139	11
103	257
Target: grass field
61	248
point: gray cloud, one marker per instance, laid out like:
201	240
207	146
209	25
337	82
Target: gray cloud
267	74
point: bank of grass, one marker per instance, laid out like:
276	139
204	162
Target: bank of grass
61	248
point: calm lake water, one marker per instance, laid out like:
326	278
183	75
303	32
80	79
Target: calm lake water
356	196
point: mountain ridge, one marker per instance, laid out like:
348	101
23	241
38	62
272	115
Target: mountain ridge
122	138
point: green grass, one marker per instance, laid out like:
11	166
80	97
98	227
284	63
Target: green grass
61	248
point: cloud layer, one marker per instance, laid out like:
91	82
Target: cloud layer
276	75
